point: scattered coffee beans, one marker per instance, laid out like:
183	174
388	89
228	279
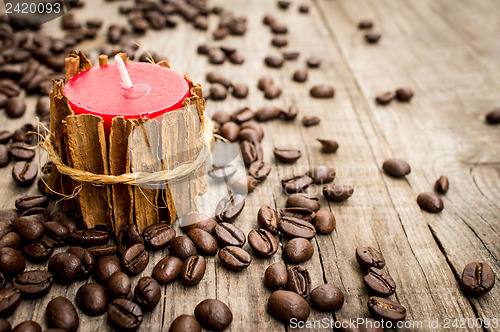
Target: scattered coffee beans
185	323
286	154
262	242
147	293
10	298
91	299
324	222
372	37
337	192
493	117
430	202
33	284
193	270
369	257
478	278
322	91
125	315
309	121
385	98
167	269
267	218
404	94
300	75
60	313
276	276
304	201
298	250
294	227
213	314
386	309
442	185
327	297
285	305
234	258
379	282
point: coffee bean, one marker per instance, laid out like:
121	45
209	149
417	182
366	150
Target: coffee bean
328	146
279	41
33	284
299	213
251	131
324	222
327	297
372	37
102	250
27	326
87	261
289	113
322	91
38	212
290	55
365	24
237	58
10	298
267	219
313	62
273	61
39	251
167	269
5	325
283	4
60	313
218	92
430	202
286	154
404	94
129	235
182	247
185	323
309	121
229	208
88	237
385	98
193	270
214	77
11	240
220	34
321	174
213	314
125	315
198	220
493	117
276	276
379	282
229	235
337	192
264	82
304	9
135	259
278	28
15	107
386	309
11	262
24	173
9	88
442	185
243	184
285	306
221	172
369	257
240	90
295	183
300	75
272	91
267	112
230	131
259	170
478	278
221	117
19	151
262	242
203	241
248	152
27	202
216	56
4	156
105	267
158	236
119	285
298	250
293	227
303	200
396	167
147	293
234	258
91	299
200	22
29	228
242	115
66	219
65	267
5	228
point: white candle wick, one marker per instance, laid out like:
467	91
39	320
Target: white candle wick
126	82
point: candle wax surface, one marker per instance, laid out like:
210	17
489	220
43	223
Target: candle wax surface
98	91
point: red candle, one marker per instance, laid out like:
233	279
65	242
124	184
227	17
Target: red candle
101	91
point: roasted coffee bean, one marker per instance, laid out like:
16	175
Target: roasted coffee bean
9	215
15	107
337	192
300	75
91	299
264	82
28	326
283	4
216	56
276	276
279	41
324	222
290	55
396	167
193	270
230	131
304	9
220	34
369	257
478	278
11	262
243	184
204	48
285	306
249	134
309	121
88	237
61	313
278	28
271	92
386	309
286	154
267	218
10	298
248	152
379	282
218	92
65	267
234	258
200	22
129	235
267	112
295	183
182	247
321	174
135	259
385	98
105	267
27	202
322	91
289	113
442	185
9	88
5	228
41	213
23	135
213	77
328	146
229	208
493	117
298	250
259	170
262	242
240	90
404	94
119	285
237	58
372	37
221	117
198	220
185	323
242	115
24	173
273	61
102	250
213	314
167	269
365	24
229	235
268	19
299	213
304	201
327	297
313	62
5	325
39	251
158	236
221	172
33	284
205	242
125	315
66	219
4	156
87	261
430	202
19	151
29	228
147	293
293	227
11	240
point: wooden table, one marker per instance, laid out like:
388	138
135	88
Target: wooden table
447	51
